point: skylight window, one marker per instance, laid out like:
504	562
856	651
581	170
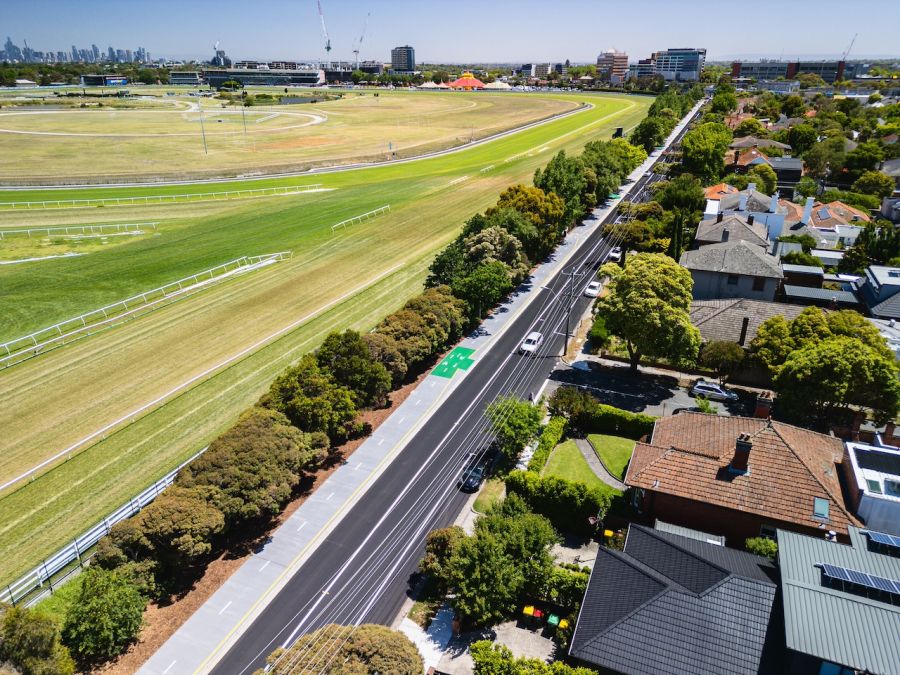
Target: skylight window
820	508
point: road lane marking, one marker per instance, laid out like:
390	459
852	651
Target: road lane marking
227	605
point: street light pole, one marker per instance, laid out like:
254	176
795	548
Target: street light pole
569	310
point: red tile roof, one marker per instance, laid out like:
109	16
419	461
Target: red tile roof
746	157
689	455
716	191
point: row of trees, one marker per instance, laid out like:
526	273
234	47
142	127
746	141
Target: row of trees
663	116
825	365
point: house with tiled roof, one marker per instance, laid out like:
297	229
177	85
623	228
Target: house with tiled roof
737	319
733	227
744	160
717	191
879	290
741	477
755	142
834	225
672	604
733	269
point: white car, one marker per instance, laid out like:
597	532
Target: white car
712	391
615	254
531	343
593	289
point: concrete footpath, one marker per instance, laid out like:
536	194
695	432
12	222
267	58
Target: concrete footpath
204	638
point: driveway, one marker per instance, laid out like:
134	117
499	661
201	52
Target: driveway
653	394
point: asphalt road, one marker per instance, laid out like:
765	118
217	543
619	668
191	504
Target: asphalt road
360	573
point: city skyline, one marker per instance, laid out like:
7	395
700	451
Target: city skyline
463	32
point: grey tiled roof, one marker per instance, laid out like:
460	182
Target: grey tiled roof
756	201
751	141
830	623
887	309
723	319
670	604
786	163
710	231
821	294
737	257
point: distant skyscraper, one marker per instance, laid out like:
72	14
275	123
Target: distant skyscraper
75	53
96	52
403	59
111	54
612	66
13	53
128	56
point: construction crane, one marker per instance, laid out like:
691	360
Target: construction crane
360	41
847	51
324	30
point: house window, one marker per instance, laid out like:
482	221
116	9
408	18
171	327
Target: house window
759	283
732	279
820	508
768	532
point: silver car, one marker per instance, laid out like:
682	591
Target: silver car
712	391
593	289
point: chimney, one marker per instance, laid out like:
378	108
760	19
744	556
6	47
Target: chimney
763	409
719	217
737	156
750	219
741	459
751	187
725	234
742	202
807	210
773	205
745	325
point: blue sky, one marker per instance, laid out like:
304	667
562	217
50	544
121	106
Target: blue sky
462	30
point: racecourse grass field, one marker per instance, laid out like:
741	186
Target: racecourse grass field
350	278
166	137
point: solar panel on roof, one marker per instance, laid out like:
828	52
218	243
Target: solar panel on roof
860	578
883	538
824	213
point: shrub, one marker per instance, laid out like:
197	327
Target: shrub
762	546
588	415
566	587
106	617
566	504
550	437
29	642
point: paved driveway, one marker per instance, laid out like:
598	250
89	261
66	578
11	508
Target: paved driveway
652	394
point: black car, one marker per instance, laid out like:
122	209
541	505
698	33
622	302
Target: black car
471	478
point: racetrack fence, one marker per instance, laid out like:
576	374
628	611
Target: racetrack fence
71	559
162	199
362	217
79	230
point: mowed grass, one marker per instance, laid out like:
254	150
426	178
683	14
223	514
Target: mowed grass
566	461
74	391
52	145
614	451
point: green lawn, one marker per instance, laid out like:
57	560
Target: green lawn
566	461
426	213
613	451
491	493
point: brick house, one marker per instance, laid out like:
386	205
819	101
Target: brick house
740	477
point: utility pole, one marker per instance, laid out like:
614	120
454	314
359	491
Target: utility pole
243	114
202	130
571	300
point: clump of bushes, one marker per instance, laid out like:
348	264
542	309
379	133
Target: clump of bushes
567	504
550	437
585	413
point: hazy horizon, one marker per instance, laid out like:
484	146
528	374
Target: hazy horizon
464	31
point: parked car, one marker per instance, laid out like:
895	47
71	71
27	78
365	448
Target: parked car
471	478
531	343
593	289
712	391
615	254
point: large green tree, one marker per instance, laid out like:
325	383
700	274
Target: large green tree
514	422
30	643
801	137
647	307
494	244
874	183
368	649
347	358
822	380
650	133
683	196
864	157
565	177
483	288
105	618
703	150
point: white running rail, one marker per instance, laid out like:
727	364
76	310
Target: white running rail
28	346
75	230
362	217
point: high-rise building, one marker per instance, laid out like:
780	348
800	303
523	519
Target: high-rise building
612	66
75	54
830	71
683	64
403	59
542	70
96	53
111	54
13	53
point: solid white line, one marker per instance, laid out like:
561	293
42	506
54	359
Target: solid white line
170	667
227	605
302	525
195	378
330	495
381	442
265	566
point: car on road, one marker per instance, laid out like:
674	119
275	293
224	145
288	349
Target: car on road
471	478
712	391
615	254
531	343
593	289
